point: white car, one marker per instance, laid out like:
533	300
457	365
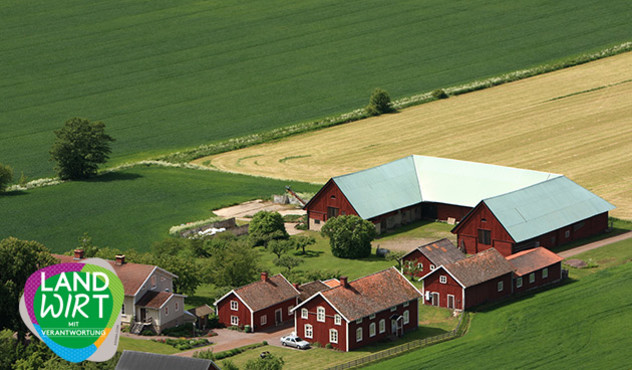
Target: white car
294	341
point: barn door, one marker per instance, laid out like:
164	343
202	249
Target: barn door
450	301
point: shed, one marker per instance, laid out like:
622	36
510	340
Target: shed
133	360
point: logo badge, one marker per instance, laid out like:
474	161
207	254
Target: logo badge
75	309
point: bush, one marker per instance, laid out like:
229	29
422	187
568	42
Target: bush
229	365
329	346
266	226
179	331
206	354
317	345
148	332
349	236
267	362
6	176
380	102
265	342
440	94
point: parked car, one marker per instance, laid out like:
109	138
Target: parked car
294	341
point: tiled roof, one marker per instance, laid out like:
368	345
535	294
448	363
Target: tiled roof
480	268
440	252
532	260
309	289
132	360
202	310
132	275
332	283
371	294
262	294
154	299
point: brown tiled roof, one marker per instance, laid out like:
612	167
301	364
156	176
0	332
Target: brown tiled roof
262	294
154	299
132	275
479	268
532	260
202	310
371	294
332	283
440	252
309	289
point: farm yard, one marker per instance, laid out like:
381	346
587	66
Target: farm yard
166	76
574	121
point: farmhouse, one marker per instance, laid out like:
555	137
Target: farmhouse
417	187
259	305
309	289
484	277
550	213
149	299
426	258
357	313
534	268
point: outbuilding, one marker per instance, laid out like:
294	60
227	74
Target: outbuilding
427	257
535	268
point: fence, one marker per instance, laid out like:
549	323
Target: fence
415	344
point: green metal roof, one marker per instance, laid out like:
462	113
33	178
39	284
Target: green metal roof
544	207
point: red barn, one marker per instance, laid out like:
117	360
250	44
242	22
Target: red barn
416	187
361	312
482	278
427	257
551	213
534	268
262	304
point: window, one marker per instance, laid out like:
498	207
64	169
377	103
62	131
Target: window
303	313
519	282
234	305
545	273
532	278
333	197
289	311
234	320
443	279
176	306
359	321
406	317
406	304
393	309
420	266
484	236
500	286
264	319
123	309
153	281
309	333
372	330
432	267
359	335
332	212
382	326
166	310
320	314
371	317
337	320
316	221
333	335
567	234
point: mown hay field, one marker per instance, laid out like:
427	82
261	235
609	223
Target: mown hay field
166	75
577	122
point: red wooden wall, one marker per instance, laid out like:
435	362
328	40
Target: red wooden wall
555	274
444	211
417	257
483	218
320	329
270	312
488	291
329	196
224	312
433	284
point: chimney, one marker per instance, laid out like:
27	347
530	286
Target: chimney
120	259
295	286
264	276
78	254
343	281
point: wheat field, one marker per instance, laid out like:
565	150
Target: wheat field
577	122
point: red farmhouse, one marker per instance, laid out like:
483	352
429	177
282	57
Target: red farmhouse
426	258
364	311
484	277
550	213
260	305
535	268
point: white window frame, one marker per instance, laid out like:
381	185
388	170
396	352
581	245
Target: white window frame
234	305
333	336
371	317
176	306
545	273
320	314
263	319
337	319
359	335
532	278
382	326
234	320
153	281
393	308
304	313
309	331
406	304
359	321
443	279
519	282
166	310
420	266
289	311
432	267
372	330
406	316
501	286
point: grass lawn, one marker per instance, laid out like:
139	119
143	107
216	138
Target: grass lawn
584	323
145	346
128	209
602	258
420	229
164	75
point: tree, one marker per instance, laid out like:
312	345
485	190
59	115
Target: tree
80	147
267	362
380	102
6	176
188	274
266	226
89	249
349	236
18	260
280	247
289	262
396	256
303	242
237	265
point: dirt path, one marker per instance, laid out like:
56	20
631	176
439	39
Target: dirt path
595	245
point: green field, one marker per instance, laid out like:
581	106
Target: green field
585	323
127	209
165	75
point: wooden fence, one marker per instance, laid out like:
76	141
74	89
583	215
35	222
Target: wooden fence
415	344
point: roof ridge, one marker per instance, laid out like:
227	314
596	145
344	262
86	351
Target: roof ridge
260	281
531	186
371	168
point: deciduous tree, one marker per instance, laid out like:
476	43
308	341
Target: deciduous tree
349	236
280	247
266	226
303	242
6	176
